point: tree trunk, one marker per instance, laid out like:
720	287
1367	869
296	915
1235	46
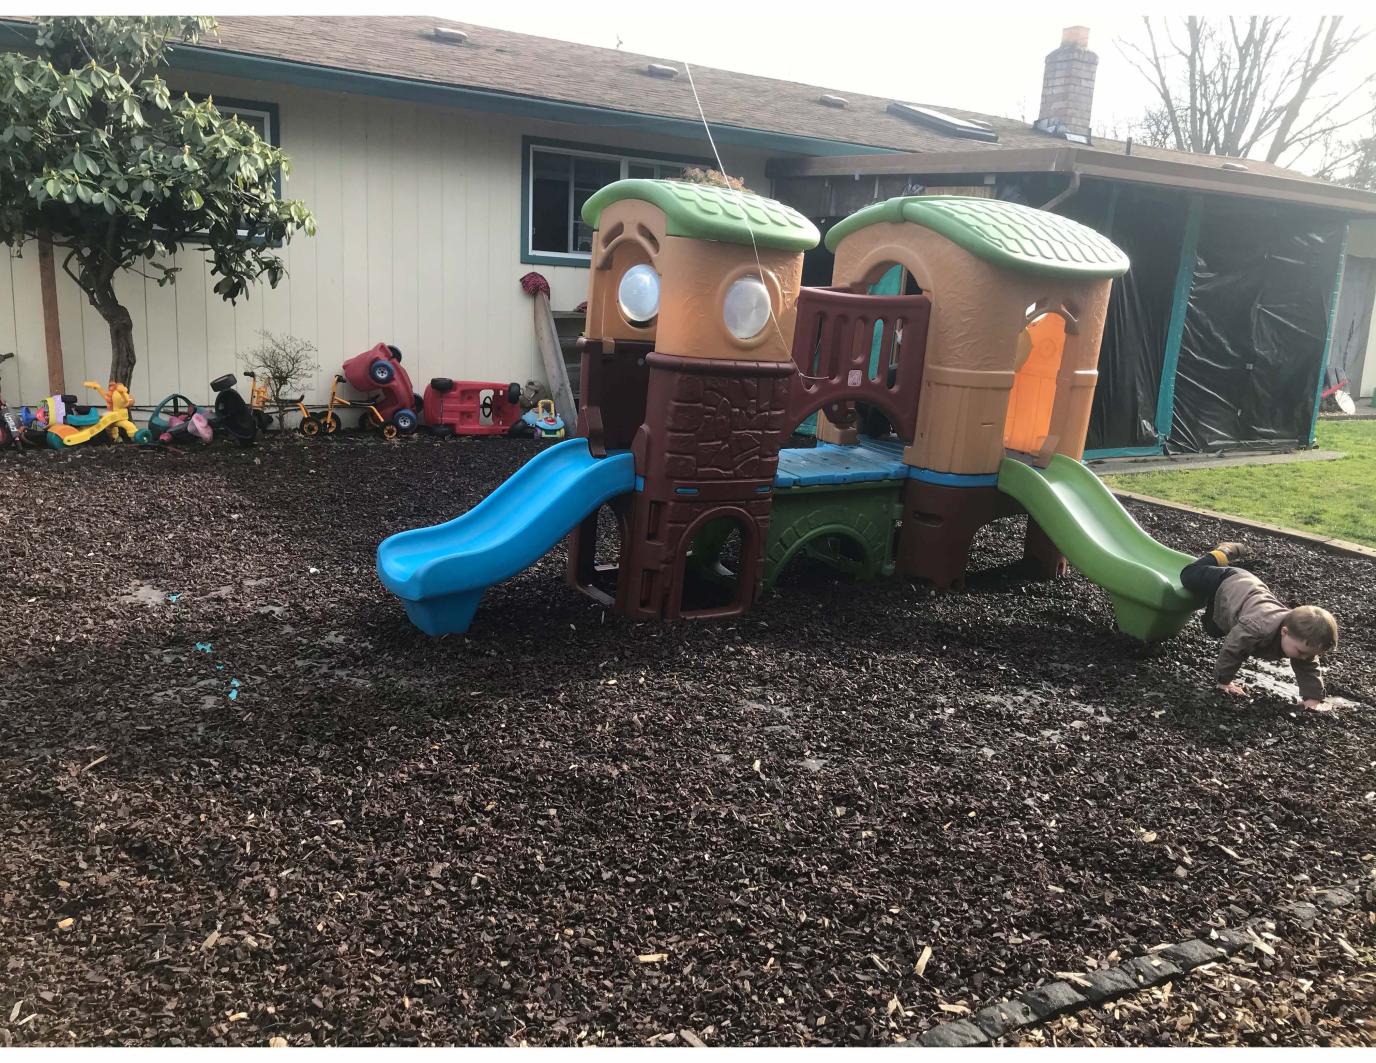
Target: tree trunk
121	342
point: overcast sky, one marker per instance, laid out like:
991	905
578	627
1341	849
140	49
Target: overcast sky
989	60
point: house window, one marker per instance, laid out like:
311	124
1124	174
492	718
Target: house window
262	119
559	178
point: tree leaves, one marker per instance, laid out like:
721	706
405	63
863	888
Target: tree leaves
92	126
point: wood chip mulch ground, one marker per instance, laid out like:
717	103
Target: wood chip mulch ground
241	799
1312	988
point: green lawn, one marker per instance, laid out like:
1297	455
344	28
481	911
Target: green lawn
1333	498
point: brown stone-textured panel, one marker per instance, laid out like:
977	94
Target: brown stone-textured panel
709	448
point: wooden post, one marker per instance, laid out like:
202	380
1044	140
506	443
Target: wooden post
547	335
52	328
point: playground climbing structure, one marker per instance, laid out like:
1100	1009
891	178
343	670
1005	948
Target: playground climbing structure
961	400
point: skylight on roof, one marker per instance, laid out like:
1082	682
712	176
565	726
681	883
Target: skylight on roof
966	128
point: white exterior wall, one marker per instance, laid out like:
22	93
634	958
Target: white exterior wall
418	244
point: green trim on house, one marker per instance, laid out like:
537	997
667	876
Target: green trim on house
578	260
1175	331
707	212
332	79
1007	234
1328	335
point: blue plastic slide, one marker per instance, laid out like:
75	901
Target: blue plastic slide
440	572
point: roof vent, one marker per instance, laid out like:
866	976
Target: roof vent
450	35
661	70
965	128
1234	166
829	100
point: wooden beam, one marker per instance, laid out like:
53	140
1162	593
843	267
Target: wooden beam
1008	160
52	327
556	372
1181	174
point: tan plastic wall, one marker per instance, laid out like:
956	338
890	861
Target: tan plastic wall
694	278
978	312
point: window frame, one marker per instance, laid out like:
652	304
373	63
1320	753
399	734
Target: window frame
624	156
272	121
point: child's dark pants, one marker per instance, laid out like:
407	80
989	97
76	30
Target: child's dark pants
1204	576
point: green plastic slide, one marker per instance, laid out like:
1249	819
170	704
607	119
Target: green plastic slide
1100	538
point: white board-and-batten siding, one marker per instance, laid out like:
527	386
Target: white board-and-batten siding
418	244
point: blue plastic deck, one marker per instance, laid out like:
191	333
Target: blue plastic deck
829	464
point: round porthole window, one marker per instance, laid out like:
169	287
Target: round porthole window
638	294
746	308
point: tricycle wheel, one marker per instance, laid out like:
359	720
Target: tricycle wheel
389	432
310	426
264	420
329	423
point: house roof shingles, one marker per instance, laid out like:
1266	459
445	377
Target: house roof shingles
540	68
543	68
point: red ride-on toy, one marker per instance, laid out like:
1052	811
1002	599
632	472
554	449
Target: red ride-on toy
472	407
379	369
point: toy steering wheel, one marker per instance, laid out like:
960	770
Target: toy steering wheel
486	406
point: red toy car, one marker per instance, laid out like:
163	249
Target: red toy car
472	407
380	368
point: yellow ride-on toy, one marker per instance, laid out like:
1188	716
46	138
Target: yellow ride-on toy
327	421
258	401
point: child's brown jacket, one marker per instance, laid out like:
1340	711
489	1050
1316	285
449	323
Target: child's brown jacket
1250	617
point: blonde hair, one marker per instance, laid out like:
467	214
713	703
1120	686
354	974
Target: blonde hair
1314	627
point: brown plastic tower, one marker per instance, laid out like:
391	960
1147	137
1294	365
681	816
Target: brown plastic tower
699	350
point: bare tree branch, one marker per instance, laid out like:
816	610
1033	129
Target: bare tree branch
1255	85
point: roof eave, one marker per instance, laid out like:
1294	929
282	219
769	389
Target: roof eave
222	61
1088	162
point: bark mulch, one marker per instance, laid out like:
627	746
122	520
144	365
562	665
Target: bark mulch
1314	988
242	799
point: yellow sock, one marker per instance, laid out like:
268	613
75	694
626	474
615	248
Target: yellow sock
1220	557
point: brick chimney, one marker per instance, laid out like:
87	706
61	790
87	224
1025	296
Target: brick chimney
1068	84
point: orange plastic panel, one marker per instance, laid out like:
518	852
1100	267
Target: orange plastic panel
1033	396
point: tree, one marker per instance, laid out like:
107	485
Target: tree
1245	85
1351	162
284	364
99	158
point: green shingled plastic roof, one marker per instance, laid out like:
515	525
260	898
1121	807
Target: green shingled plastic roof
706	212
1007	234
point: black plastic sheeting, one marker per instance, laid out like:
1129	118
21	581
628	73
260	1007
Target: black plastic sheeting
1149	225
1255	328
1150	228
